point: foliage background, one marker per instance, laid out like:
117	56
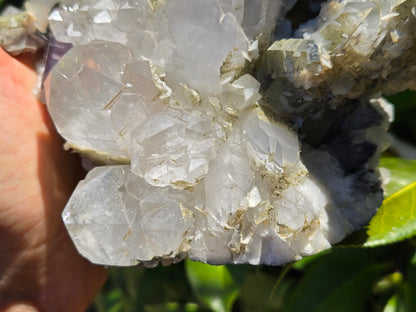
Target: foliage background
372	270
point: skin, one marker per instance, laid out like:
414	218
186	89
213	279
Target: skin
40	269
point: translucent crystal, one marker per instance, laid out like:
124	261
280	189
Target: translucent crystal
240	207
218	146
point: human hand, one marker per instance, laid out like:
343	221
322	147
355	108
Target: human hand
40	270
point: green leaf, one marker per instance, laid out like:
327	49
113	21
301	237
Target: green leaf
214	284
409	287
302	263
388	282
171	307
404	299
394	304
340	281
259	293
140	287
395	220
110	302
403	173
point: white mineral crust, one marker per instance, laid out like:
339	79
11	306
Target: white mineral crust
163	93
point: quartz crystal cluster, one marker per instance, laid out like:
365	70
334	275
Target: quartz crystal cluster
353	48
22	31
215	143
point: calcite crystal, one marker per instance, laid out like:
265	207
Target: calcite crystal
215	143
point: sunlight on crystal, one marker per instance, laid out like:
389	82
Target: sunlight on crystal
218	142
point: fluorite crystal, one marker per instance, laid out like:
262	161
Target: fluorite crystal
214	143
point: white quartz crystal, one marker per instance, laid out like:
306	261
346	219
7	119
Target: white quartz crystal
255	203
192	117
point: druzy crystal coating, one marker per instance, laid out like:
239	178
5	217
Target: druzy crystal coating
215	143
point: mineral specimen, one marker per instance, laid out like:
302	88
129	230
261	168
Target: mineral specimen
353	49
217	144
22	31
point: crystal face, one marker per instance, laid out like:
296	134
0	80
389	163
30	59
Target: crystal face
214	142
